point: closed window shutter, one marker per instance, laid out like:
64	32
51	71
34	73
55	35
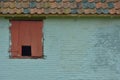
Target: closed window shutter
14	29
26	34
36	38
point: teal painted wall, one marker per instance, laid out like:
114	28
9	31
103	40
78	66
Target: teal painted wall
75	49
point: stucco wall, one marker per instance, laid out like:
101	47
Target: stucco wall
75	49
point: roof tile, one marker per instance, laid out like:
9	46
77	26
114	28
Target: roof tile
38	0
60	11
104	5
98	5
59	7
18	5
80	11
32	4
12	4
6	4
18	11
87	11
110	5
40	11
105	11
25	4
112	11
90	0
73	10
26	10
91	5
118	11
58	0
117	5
53	5
39	4
103	1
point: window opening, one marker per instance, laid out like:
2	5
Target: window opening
26	50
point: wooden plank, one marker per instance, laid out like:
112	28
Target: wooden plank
14	29
24	33
36	38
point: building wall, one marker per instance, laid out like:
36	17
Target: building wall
74	49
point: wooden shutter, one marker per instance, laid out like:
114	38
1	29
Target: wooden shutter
36	38
14	38
26	33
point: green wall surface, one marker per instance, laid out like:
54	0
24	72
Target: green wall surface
74	49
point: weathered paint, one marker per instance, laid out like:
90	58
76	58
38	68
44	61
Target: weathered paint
74	49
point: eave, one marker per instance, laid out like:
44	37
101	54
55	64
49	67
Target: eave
43	16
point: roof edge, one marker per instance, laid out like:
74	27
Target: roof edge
59	16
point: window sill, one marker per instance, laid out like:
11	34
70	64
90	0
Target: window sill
27	57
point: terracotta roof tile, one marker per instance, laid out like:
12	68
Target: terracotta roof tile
39	4
117	5
25	4
98	5
40	11
59	7
90	0
78	0
118	11
53	4
87	11
18	4
80	11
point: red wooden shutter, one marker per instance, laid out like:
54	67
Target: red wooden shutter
36	38
26	33
14	38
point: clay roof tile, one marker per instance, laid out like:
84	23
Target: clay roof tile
60	7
